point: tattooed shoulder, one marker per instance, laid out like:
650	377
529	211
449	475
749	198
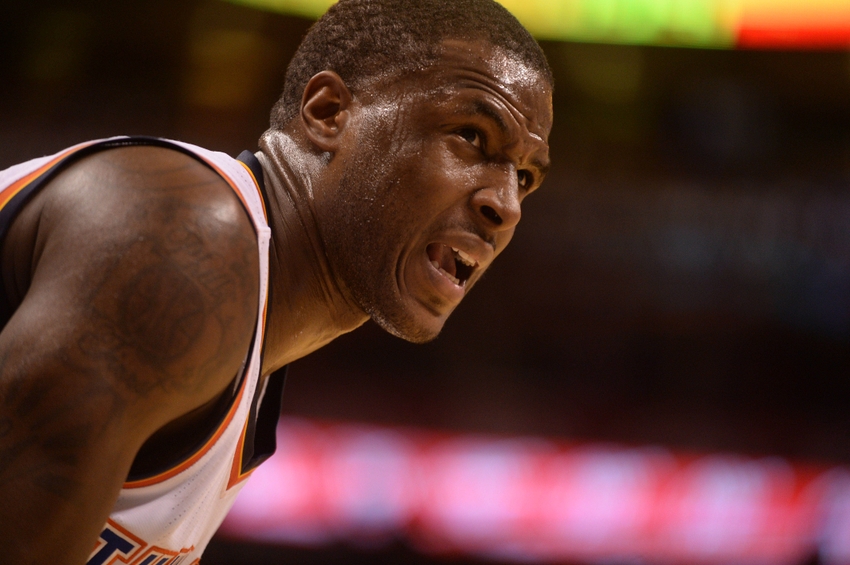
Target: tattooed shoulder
170	270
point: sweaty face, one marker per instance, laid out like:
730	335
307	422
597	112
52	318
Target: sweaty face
432	178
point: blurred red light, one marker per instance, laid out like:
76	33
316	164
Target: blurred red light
531	499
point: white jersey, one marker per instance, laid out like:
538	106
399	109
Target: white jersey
169	518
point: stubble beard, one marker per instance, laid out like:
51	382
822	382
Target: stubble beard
362	241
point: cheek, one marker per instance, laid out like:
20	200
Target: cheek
452	176
425	176
503	239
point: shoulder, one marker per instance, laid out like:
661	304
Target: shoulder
136	182
154	254
137	300
130	195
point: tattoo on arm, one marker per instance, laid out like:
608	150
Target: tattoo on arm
157	312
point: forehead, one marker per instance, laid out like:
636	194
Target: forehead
480	67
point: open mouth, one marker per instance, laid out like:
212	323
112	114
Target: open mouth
454	264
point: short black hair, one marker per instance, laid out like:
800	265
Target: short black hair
361	40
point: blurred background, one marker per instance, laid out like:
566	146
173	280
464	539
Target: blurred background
656	370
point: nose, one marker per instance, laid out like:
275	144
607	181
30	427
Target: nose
498	202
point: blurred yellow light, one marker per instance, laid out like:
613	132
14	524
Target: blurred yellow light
306	8
687	23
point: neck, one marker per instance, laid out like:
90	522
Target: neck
309	307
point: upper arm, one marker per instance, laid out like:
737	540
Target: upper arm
140	306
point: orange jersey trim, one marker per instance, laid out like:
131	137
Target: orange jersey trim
165	475
257	184
13	189
179	468
236	474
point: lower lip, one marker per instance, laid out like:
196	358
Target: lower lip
452	292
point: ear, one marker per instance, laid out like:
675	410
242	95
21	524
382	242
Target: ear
325	108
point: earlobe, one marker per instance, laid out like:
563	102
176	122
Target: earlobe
325	109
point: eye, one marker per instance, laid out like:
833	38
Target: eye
470	135
524	179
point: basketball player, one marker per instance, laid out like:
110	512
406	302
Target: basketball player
152	291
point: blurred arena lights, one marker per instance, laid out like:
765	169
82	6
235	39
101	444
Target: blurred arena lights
717	24
537	500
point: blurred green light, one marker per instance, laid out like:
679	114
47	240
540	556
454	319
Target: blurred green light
306	8
693	23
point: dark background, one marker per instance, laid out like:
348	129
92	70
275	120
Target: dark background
682	278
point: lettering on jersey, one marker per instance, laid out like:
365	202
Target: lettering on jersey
159	556
114	545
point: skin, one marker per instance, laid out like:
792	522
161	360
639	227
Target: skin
134	273
429	159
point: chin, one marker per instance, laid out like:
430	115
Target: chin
410	329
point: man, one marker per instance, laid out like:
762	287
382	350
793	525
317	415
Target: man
153	291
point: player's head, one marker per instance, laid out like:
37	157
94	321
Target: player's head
427	122
367	40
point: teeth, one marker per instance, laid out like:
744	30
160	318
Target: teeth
464	257
449	276
445	273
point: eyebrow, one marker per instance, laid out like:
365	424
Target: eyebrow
482	107
542	167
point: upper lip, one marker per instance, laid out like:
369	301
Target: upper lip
471	245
